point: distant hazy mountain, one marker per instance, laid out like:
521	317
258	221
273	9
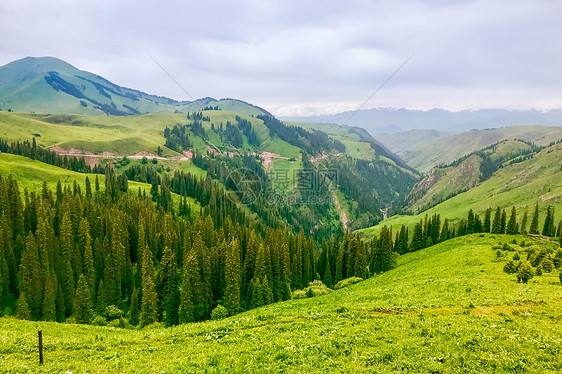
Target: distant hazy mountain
49	85
390	120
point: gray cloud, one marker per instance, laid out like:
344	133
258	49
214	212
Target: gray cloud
299	57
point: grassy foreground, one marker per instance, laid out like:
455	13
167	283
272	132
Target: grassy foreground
445	309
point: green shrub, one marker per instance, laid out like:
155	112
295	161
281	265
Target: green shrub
220	312
99	321
525	273
347	282
299	294
112	312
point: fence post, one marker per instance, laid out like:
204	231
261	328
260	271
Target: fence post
40	335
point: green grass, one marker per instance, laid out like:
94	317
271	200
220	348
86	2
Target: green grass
524	184
30	175
448	309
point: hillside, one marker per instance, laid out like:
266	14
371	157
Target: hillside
442	183
522	184
447	308
422	153
31	175
50	85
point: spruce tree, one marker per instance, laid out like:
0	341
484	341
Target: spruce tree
31	283
549	228
285	272
512	226
503	222
83	308
417	238
49	309
85	242
66	273
524	221
232	275
496	225
486	227
534	229
22	308
189	270
149	301
134	308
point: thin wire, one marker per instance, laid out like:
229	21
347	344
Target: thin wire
379	88
174	79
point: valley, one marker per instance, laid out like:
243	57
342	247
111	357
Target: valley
141	233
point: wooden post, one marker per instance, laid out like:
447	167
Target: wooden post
40	335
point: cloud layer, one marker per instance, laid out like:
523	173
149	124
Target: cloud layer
306	57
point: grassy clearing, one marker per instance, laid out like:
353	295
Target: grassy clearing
448	309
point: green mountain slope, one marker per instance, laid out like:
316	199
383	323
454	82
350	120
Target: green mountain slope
442	183
448	308
423	153
50	85
538	179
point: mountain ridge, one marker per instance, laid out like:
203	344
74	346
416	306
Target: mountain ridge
49	85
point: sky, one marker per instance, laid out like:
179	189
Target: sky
300	57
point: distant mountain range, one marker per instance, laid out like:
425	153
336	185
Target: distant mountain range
48	85
390	120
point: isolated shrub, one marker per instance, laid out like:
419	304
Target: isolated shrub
299	294
510	267
99	321
220	312
525	272
154	161
347	282
538	271
144	160
516	257
112	312
537	256
507	247
498	253
547	265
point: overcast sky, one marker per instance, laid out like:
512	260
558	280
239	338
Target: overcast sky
306	57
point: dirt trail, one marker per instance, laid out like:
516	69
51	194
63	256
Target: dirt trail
343	217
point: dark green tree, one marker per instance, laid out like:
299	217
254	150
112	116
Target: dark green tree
534	229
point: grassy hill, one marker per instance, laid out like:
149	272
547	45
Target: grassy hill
448	309
50	85
442	183
30	175
423	152
538	179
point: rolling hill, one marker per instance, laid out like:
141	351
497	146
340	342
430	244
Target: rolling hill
51	86
538	179
447	308
442	183
423	152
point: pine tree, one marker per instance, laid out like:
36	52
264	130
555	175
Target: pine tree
134	308
83	308
548	228
149	301
22	308
524	221
31	283
85	242
383	257
512	226
49	309
496	225
535	222
445	234
232	270
503	222
417	239
189	270
486	227
66	273
286	273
